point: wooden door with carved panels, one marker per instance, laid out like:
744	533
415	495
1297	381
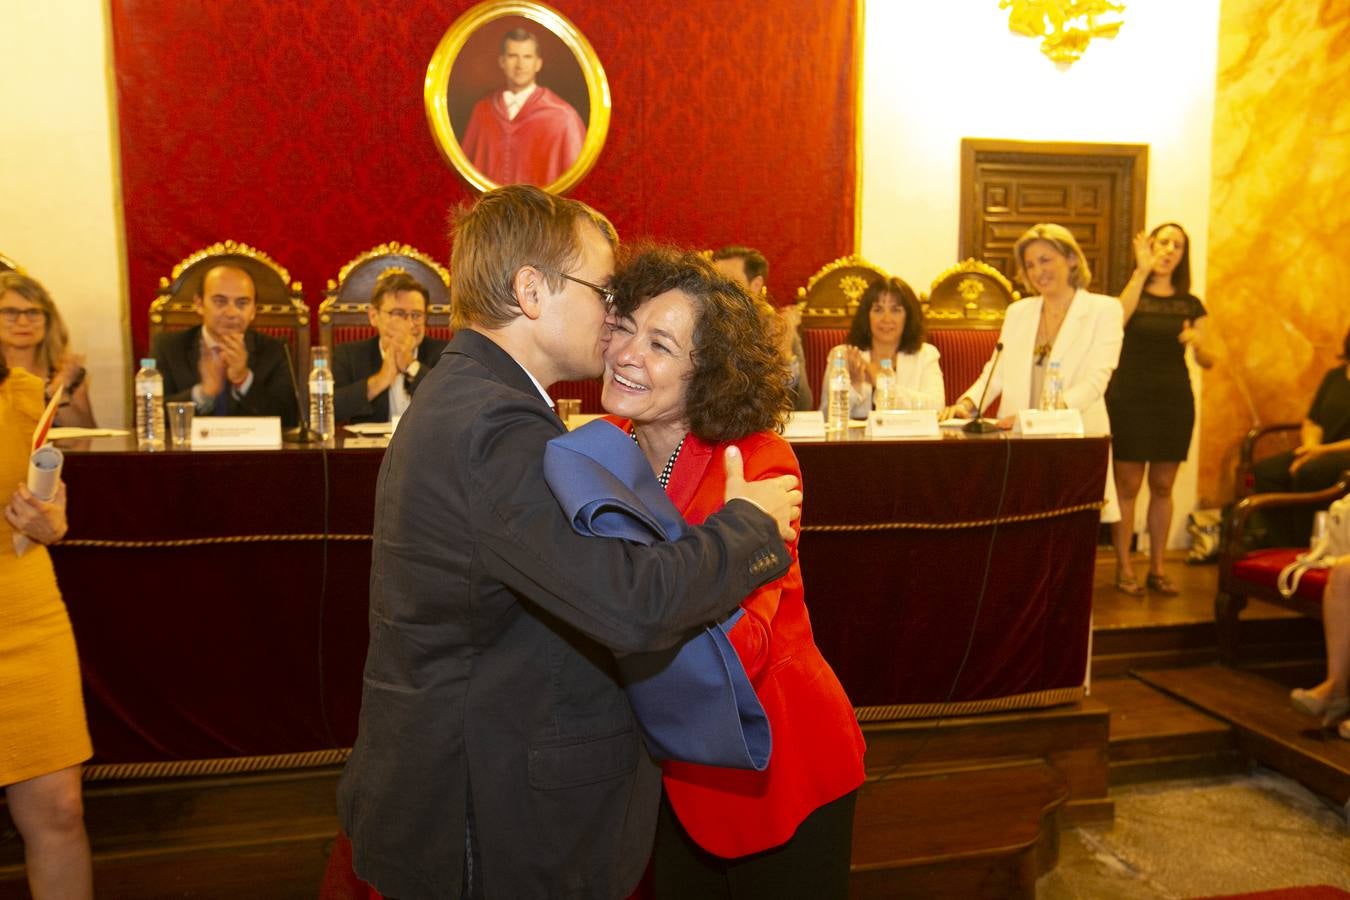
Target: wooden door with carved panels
1094	190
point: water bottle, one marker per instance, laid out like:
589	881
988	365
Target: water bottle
1052	392
321	399
884	394
149	393
837	405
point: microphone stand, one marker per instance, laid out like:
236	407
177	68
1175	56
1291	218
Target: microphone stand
979	424
302	433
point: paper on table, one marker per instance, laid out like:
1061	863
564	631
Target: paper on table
67	432
44	476
371	428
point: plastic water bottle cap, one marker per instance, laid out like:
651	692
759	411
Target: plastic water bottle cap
320	363
147	363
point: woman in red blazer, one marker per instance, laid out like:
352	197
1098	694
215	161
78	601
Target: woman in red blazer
692	367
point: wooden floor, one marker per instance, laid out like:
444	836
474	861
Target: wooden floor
1160	707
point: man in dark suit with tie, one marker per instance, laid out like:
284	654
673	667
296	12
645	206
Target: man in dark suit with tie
223	366
497	755
376	378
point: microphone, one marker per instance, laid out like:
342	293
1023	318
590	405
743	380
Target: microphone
979	424
302	433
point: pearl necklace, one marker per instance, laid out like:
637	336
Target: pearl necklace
664	478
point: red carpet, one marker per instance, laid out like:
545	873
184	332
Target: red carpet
1312	892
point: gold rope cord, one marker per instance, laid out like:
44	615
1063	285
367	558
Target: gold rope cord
224	539
1048	697
870	526
972	523
188	768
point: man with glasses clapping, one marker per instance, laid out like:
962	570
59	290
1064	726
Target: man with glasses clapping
376	378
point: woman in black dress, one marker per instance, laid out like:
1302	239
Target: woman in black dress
1149	399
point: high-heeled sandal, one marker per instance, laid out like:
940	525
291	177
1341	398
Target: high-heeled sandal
1161	584
1328	709
1128	586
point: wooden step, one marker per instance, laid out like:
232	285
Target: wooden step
1265	726
989	832
1071	738
202	837
1155	736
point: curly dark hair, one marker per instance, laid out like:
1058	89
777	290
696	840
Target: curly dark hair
911	338
739	385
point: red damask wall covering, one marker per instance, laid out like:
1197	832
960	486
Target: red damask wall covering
297	126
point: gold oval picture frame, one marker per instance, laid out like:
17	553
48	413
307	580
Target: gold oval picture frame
465	81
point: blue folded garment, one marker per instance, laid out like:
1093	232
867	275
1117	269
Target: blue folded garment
693	701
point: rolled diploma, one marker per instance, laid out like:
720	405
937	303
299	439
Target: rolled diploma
44	475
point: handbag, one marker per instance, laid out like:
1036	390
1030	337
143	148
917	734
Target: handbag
1205	526
1332	543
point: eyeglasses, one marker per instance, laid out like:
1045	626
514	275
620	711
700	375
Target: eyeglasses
414	315
606	295
11	314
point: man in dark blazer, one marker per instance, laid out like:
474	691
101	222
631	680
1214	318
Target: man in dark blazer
497	755
376	378
222	366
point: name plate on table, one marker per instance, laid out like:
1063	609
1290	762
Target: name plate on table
236	433
1050	421
808	425
903	423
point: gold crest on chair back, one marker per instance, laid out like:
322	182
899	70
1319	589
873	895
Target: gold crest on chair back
971	294
281	313
9	265
831	295
342	314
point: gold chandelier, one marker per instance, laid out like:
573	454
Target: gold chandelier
1066	27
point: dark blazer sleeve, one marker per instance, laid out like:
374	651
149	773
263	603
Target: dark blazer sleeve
176	359
351	368
805	399
271	393
628	597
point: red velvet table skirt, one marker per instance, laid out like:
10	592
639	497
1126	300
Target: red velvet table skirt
215	621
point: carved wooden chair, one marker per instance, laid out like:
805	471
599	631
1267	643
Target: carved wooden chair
964	310
830	298
281	314
343	312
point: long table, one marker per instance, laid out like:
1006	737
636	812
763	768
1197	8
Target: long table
219	598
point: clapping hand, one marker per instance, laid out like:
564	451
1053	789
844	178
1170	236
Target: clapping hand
1188	334
235	356
211	370
69	371
1143	253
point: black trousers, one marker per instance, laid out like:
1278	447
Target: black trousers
812	865
1293	527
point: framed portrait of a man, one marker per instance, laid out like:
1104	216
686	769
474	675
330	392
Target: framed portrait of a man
515	94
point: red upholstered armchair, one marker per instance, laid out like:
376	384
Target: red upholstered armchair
1244	574
342	314
282	313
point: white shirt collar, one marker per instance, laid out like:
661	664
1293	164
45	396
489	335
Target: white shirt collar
514	100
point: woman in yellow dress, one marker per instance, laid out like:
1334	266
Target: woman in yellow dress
43	735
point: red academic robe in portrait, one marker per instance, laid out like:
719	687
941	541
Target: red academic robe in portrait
535	147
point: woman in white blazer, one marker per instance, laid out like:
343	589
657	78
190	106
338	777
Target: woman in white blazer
888	325
1065	323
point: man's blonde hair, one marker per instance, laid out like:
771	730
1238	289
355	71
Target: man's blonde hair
507	229
1080	276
